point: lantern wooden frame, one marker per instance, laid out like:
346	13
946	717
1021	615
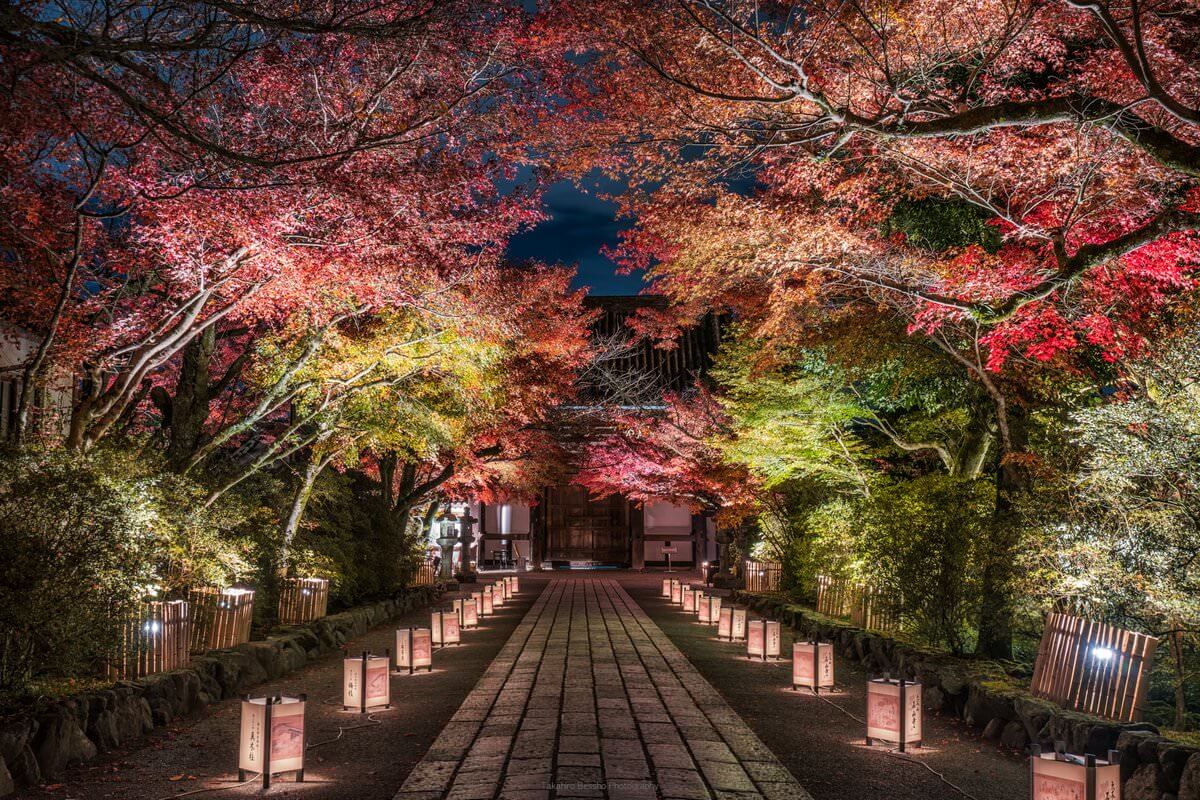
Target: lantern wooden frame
687	597
731	624
763	637
444	628
365	682
812	666
708	609
273	737
894	712
488	602
468	613
414	649
1056	775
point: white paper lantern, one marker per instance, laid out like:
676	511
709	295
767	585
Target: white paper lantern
468	616
666	590
489	601
498	594
676	592
812	665
444	626
731	624
1057	776
894	712
762	639
365	682
687	596
272	737
708	610
414	649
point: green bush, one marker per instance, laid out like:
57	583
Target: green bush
923	542
82	541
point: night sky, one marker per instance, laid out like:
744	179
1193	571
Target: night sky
580	225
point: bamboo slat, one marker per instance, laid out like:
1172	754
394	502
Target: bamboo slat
762	576
220	617
156	639
1093	667
303	600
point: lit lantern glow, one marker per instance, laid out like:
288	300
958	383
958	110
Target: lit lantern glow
1057	776
444	626
894	712
506	586
468	615
272	737
676	592
812	665
731	624
489	601
498	594
708	610
414	650
762	639
666	590
687	596
365	682
477	599
514	584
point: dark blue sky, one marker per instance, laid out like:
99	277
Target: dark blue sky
580	224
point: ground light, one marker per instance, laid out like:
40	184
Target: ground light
468	613
731	624
514	583
506	588
704	572
708	609
762	639
365	681
812	666
477	599
489	601
444	626
666	590
687	596
1057	775
272	737
498	594
414	649
676	592
894	712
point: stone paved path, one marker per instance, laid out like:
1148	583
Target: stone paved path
589	698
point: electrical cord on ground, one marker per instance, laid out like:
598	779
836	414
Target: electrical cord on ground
237	785
904	756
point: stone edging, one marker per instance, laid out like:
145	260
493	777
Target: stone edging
37	746
981	694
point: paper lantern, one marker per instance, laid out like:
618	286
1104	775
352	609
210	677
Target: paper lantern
1057	776
468	613
414	650
666	590
514	583
762	639
498	594
444	627
687	596
365	682
477	599
731	624
812	665
708	609
893	712
676	592
272	737
506	586
489	601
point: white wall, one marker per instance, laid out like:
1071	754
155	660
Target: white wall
668	518
515	515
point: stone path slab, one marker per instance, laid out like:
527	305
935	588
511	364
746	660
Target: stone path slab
589	698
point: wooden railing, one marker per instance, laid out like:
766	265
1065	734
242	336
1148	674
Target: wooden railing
1093	667
220	617
762	576
424	575
303	600
866	606
156	639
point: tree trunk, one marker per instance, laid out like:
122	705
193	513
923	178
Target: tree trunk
971	454
998	601
190	405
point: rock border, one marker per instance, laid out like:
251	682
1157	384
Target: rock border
984	696
36	746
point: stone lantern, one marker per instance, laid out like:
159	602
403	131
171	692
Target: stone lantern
447	528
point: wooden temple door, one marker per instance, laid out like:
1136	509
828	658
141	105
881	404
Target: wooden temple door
586	530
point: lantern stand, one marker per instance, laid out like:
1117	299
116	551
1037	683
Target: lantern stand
362	691
266	751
